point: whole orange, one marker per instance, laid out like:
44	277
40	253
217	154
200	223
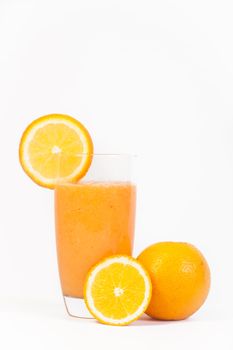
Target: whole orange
180	278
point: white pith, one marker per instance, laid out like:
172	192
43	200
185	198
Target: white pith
56	150
118	291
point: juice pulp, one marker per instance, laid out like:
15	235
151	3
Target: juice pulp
93	220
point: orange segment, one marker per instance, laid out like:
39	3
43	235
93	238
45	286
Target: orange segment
117	290
55	147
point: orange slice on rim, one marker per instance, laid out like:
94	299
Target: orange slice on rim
54	148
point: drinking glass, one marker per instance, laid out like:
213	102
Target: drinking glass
95	218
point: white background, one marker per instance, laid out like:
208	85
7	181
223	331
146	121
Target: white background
148	77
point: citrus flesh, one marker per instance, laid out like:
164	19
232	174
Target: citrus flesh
117	290
55	148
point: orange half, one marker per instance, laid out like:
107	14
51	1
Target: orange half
54	148
117	290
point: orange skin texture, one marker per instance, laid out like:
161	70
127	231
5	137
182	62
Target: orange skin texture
180	278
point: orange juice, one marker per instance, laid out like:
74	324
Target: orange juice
93	220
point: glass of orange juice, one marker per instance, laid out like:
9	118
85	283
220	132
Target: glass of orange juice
95	218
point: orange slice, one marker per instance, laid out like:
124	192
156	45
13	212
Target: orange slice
54	148
117	290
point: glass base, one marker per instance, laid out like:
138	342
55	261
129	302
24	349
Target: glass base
76	307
